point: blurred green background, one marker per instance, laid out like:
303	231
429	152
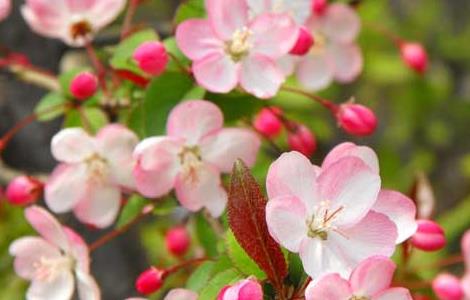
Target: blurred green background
424	121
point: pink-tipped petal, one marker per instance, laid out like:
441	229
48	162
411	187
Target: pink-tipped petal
351	185
103	12
397	293
45	19
341	23
100	206
194	119
197	39
216	73
28	251
400	209
285	216
466	284
225	147
250	290
366	154
5	9
60	288
372	276
78	249
181	294
328	287
47	226
315	71
261	76
348	61
227	16
87	287
65	187
274	35
465	244
116	143
72	145
292	174
201	187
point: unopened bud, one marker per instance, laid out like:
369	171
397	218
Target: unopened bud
447	287
304	42
429	236
302	140
356	119
415	56
177	241
319	6
24	190
149	281
267	122
151	57
84	85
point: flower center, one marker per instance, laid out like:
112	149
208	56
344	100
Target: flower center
359	298
320	223
97	168
239	46
190	160
47	269
320	42
80	29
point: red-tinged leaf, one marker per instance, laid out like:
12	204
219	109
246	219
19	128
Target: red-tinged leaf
247	219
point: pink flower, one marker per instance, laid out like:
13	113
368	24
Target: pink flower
54	262
370	280
326	214
181	294
247	289
5	9
466	254
300	10
192	156
398	207
92	173
74	22
230	49
335	54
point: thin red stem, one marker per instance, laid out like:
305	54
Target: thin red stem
99	67
396	39
179	64
126	27
449	261
325	102
185	264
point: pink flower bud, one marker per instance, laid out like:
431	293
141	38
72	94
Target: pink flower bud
151	57
177	241
5	9
429	236
415	56
447	287
319	6
247	289
302	140
304	42
356	119
84	85
267	122
24	190
149	281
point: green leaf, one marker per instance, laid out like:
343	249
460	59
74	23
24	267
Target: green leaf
297	274
201	276
240	259
50	107
90	118
149	117
220	280
236	105
132	209
172	47
192	9
206	236
122	57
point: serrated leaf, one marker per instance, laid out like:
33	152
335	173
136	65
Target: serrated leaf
89	118
50	107
192	9
122	57
132	209
220	280
201	276
247	220
206	236
240	259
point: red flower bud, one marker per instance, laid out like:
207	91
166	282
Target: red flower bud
151	57
356	119
24	190
178	241
84	85
414	55
447	287
302	140
149	281
304	42
319	6
429	236
267	122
